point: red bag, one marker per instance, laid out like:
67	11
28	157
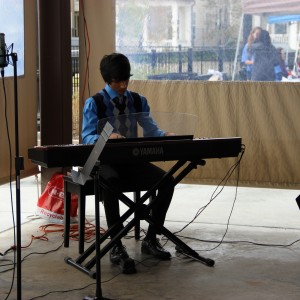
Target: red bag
50	204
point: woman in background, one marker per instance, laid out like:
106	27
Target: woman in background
247	59
283	67
265	66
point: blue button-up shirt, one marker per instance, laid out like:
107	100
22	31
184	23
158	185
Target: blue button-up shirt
90	119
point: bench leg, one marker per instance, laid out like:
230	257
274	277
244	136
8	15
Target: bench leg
81	221
67	211
137	228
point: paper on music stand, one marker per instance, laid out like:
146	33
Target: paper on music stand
83	175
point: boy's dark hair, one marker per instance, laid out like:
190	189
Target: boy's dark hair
115	66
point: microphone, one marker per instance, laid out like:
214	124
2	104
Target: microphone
3	59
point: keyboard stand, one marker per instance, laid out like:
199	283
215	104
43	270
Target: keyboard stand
87	260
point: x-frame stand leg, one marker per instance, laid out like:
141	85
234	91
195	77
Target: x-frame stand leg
142	212
145	212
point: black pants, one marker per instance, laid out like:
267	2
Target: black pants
130	178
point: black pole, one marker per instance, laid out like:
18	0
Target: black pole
179	59
19	165
220	58
190	60
153	58
97	193
97	216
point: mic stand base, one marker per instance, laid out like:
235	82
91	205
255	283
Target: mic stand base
95	298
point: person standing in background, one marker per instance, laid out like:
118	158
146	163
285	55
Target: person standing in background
247	59
283	66
266	65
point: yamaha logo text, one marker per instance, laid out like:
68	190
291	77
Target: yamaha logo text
145	151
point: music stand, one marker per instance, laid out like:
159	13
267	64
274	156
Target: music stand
81	177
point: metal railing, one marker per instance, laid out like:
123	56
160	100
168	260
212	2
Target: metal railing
146	62
180	60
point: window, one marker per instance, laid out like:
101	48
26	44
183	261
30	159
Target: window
12	25
195	39
280	29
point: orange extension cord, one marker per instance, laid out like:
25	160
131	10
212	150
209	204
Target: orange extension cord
89	231
74	232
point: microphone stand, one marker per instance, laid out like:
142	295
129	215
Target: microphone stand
19	165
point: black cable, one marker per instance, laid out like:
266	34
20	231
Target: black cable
225	179
6	263
237	165
65	291
32	253
7	251
85	48
215	193
240	242
42	253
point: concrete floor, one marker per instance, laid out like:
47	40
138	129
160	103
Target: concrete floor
257	259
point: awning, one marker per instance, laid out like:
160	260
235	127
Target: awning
283	19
